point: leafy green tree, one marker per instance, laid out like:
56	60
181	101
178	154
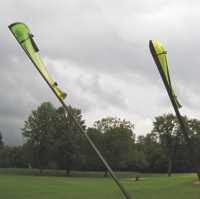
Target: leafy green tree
1	141
140	139
68	140
166	129
38	129
193	126
117	141
154	153
15	156
117	147
93	162
5	157
29	155
157	159
108	123
11	157
193	129
147	146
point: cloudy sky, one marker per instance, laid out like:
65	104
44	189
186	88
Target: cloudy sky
98	52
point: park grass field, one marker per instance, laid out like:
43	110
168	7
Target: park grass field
27	184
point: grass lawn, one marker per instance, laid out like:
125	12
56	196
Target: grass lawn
27	184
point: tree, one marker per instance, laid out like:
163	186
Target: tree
38	129
117	141
147	153
93	162
108	123
29	154
68	140
11	157
193	128
15	157
167	129
5	157
1	141
117	145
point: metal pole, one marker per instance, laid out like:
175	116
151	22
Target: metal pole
97	151
154	54
90	141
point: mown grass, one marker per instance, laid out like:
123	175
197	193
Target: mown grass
27	184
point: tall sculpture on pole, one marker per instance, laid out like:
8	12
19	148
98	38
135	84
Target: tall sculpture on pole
25	39
159	56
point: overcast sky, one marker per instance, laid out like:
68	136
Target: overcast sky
98	53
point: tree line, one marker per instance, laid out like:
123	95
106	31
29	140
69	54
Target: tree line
53	141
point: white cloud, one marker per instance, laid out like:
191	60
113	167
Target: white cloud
97	51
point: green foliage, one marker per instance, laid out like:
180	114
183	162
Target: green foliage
5	157
52	138
108	123
68	142
11	157
29	154
53	141
167	129
114	138
93	162
117	146
1	141
15	156
39	129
